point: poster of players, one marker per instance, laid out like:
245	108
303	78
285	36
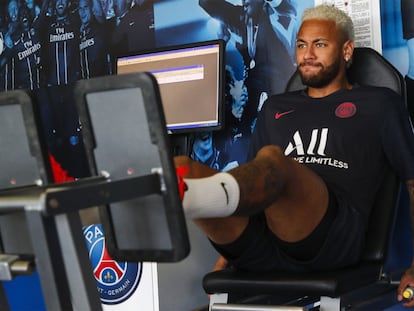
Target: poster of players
46	45
260	42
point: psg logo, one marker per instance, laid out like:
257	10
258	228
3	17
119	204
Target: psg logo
116	281
345	110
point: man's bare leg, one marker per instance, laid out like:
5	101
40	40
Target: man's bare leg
293	197
219	230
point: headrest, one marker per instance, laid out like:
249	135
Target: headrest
368	68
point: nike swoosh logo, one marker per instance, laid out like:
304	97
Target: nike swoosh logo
225	191
278	115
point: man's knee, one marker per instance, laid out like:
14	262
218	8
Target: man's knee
273	155
271	152
182	161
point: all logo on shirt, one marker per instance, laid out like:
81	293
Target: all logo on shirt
315	151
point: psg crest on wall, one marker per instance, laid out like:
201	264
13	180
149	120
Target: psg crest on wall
116	281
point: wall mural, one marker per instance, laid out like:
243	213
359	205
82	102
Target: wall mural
259	38
46	45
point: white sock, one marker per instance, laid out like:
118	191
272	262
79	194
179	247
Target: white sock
214	196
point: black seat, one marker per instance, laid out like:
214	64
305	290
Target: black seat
347	286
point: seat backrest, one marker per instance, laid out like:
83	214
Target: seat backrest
371	68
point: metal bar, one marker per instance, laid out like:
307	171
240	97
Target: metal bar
12	200
49	261
77	263
239	307
4	303
73	198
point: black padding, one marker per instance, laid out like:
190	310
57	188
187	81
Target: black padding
382	218
286	283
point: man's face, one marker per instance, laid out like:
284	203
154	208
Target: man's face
252	8
319	52
84	11
13	11
24	18
30	4
204	141
61	6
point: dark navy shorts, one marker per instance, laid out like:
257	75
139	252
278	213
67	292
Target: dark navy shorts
336	242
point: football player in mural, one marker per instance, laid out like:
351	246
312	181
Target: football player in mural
265	32
407	14
26	53
103	10
134	28
10	36
60	45
13	22
237	130
34	9
93	49
205	151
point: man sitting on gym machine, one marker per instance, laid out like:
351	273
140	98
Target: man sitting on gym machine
317	158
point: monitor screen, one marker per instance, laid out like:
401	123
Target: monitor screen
191	83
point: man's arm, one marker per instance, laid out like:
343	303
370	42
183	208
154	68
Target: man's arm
220	264
231	15
407	279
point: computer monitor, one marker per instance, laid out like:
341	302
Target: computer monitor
191	80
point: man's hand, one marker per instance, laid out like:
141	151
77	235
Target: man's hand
220	264
407	280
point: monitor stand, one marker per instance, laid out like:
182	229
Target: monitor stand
180	144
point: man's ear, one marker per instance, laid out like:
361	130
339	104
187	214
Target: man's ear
348	50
